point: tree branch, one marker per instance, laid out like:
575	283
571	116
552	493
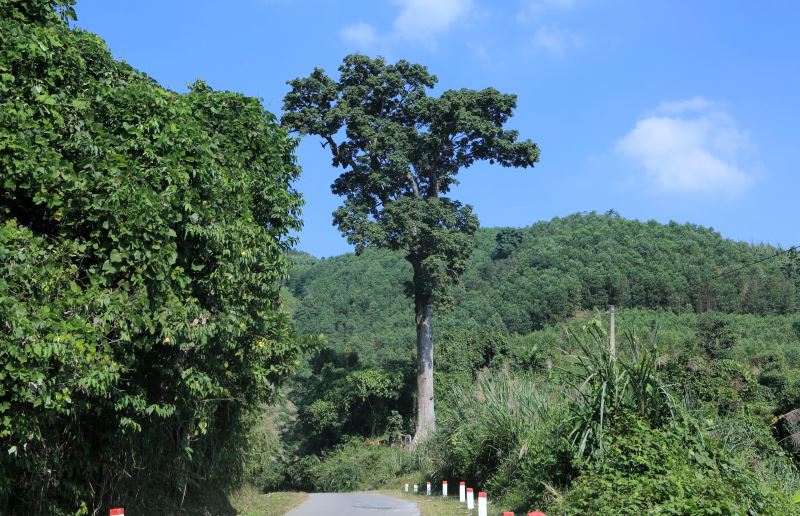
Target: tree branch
335	151
414	185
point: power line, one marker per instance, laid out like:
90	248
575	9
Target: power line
779	253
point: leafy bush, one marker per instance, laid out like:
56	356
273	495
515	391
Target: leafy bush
668	470
359	466
727	384
717	335
339	398
142	250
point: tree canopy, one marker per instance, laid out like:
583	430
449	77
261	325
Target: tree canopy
142	250
400	151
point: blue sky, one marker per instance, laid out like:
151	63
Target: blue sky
666	110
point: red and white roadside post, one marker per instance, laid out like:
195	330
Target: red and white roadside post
416	488
444	488
116	511
470	499
462	493
508	513
483	509
428	488
406	486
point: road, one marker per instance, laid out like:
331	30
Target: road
355	504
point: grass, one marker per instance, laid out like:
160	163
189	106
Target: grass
435	505
249	501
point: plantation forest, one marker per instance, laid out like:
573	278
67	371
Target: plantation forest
164	346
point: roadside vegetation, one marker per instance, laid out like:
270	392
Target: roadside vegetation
163	349
695	415
143	239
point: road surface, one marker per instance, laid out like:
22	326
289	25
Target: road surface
355	504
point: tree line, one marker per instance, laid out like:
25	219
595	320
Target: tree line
518	280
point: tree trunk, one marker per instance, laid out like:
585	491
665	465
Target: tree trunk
426	416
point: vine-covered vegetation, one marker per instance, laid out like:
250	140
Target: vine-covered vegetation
142	250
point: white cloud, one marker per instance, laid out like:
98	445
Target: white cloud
419	21
423	20
362	35
555	40
691	146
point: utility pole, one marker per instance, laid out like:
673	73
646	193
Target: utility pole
612	333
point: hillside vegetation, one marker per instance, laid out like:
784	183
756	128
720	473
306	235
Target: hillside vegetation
519	280
695	415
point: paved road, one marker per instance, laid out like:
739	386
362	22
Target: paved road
356	504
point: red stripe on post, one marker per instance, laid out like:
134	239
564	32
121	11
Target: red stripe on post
444	482
117	511
536	513
508	513
462	483
469	489
481	495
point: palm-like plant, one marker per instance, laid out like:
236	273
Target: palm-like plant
608	387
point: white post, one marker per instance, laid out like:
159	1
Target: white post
462	494
470	499
444	488
612	333
428	488
406	487
482	509
416	488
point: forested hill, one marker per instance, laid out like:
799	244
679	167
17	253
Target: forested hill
521	279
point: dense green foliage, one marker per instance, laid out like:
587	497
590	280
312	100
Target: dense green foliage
545	274
622	440
697	415
142	250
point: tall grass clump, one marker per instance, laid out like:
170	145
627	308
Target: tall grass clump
607	388
505	434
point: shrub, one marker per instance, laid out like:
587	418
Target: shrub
668	470
609	387
359	466
717	335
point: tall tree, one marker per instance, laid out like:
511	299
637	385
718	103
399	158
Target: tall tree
401	151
